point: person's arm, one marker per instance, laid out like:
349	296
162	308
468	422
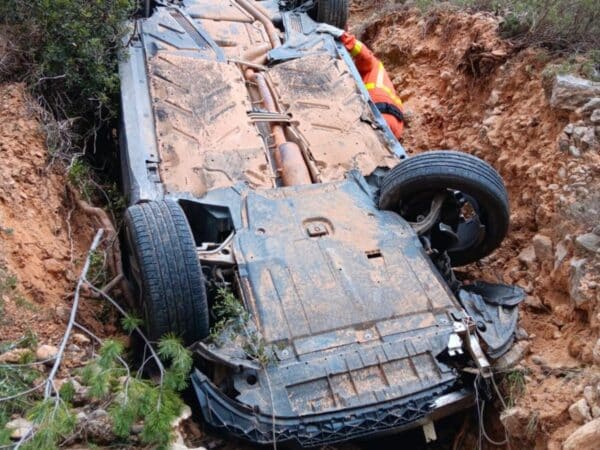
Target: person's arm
364	59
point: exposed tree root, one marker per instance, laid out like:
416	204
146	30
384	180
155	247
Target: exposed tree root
113	251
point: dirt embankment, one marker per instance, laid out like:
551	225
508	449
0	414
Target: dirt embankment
43	237
467	89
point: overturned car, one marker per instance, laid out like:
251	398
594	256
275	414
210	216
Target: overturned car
278	227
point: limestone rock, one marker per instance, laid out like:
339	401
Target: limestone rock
81	417
580	412
574	151
46	352
527	256
515	421
584	137
80	339
577	273
564	142
445	75
534	303
589	242
561	252
521	334
20	427
179	446
179	443
586	437
596	353
542	246
494	98
589	107
595	117
186	413
570	93
590	395
537	359
98	427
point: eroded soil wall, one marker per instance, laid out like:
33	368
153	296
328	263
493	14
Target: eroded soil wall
465	88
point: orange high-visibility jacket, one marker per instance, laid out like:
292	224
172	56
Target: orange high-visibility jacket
376	80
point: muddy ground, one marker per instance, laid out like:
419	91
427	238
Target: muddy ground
466	89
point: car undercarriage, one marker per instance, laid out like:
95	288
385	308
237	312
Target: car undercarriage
283	232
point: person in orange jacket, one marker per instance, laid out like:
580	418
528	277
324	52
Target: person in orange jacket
377	82
375	77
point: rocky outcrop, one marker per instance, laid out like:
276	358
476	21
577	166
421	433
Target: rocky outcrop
570	92
582	99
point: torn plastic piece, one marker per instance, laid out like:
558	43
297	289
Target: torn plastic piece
497	294
495	315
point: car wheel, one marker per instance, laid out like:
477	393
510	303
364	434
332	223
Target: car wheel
475	209
164	268
333	12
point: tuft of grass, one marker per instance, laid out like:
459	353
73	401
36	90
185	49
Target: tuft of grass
15	379
586	65
229	313
532	425
80	175
232	320
130	323
8	289
98	271
514	385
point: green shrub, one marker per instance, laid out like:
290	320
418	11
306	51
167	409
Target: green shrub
554	24
71	49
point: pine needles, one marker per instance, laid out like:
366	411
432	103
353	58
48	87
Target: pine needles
132	399
129	398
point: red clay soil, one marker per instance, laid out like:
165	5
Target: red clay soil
468	89
43	238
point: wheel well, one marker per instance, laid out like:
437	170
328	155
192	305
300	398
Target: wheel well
209	223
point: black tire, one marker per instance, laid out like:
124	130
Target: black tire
166	271
452	170
333	12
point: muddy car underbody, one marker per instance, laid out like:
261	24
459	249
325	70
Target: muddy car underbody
362	330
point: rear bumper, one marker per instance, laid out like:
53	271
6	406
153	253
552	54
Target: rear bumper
396	415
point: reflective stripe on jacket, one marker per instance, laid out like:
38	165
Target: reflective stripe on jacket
376	79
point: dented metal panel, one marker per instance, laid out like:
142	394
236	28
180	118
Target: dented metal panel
315	264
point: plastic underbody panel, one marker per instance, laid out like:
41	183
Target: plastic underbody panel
356	314
352	307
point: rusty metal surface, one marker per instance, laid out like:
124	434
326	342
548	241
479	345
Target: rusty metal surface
205	139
